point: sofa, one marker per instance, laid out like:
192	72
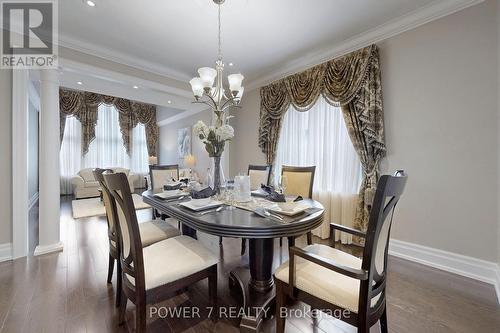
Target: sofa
85	185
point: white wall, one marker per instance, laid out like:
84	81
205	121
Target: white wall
6	156
441	118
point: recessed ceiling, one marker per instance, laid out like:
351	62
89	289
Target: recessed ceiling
258	35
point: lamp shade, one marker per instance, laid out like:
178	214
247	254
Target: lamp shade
207	76
235	81
189	161
240	93
197	86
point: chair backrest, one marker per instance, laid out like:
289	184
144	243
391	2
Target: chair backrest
259	174
162	174
300	180
106	198
129	237
387	195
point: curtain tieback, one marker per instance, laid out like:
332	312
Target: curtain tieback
373	170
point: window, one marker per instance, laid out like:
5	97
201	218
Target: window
106	150
319	137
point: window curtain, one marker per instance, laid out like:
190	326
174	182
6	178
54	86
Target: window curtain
106	150
319	137
351	82
84	105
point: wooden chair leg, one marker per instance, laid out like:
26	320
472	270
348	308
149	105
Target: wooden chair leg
280	304
153	211
281	242
383	321
220	240
309	238
140	317
123	308
243	246
212	293
118	283
111	265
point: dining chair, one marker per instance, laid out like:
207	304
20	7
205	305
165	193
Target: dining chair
329	279
259	174
160	175
299	181
151	232
154	273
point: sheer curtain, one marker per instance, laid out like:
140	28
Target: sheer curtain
319	137
106	150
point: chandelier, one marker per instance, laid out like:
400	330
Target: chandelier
216	96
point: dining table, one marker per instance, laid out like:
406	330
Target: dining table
253	286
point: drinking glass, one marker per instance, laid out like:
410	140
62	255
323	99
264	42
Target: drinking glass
283	183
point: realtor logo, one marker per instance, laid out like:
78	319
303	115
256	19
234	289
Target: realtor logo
29	34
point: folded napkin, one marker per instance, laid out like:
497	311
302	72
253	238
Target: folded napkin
276	197
267	189
205	193
172	187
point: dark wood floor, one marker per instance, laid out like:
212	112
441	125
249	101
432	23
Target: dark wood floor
67	292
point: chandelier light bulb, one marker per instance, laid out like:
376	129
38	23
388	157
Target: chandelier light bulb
197	86
207	76
235	81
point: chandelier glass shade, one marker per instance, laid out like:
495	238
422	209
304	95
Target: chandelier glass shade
208	87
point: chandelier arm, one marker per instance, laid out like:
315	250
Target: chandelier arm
203	102
231	105
229	100
215	105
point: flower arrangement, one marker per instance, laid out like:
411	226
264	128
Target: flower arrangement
214	137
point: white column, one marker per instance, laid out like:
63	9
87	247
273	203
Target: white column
49	202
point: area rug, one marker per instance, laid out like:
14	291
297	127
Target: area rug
94	207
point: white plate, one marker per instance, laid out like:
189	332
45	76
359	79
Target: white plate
296	210
211	204
169	194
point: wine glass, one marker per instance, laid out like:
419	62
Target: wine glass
283	183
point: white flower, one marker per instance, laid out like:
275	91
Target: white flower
225	132
200	128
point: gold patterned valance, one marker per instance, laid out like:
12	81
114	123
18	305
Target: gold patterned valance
83	105
351	82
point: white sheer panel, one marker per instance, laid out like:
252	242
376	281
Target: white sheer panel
70	159
105	151
319	137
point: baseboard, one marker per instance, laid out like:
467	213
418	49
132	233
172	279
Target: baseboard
46	249
5	252
477	269
33	200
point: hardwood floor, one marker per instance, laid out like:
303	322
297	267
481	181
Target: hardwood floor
67	292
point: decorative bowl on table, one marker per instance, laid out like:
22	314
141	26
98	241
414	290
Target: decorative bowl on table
201	202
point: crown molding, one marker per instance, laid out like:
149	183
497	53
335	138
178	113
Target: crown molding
412	20
182	115
111	55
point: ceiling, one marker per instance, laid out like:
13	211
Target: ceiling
174	38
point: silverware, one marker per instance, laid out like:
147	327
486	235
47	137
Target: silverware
177	199
273	215
212	210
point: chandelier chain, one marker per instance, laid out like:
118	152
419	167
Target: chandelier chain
220	42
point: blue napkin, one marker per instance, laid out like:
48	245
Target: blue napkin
205	193
172	187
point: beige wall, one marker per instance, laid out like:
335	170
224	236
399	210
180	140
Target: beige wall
440	103
5	156
168	143
440	91
244	150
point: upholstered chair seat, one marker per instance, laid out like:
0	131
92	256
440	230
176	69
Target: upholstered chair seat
157	230
174	258
322	282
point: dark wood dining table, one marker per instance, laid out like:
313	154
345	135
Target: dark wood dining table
254	285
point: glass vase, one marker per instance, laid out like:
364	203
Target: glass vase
217	173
